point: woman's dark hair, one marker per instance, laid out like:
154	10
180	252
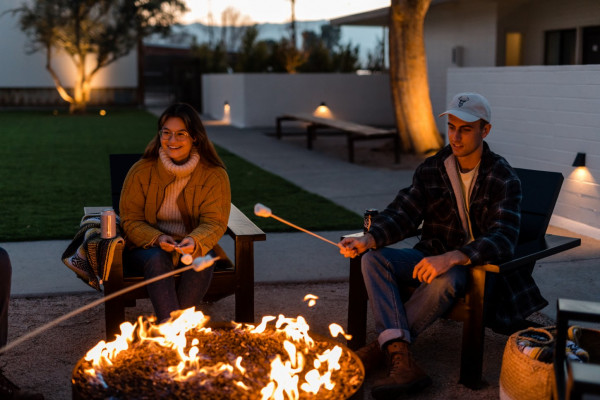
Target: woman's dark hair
194	127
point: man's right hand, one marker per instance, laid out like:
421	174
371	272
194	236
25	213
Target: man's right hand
351	247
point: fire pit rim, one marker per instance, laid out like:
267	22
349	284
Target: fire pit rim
232	325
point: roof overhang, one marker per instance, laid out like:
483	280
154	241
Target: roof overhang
378	17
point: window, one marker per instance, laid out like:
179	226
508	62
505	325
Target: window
591	45
514	44
560	47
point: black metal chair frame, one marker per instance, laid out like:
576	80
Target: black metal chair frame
573	380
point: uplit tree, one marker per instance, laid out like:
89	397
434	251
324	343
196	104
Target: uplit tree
408	77
290	56
101	31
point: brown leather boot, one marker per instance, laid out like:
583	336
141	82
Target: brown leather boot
371	356
10	391
405	376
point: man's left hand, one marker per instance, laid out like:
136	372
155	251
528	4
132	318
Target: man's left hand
430	267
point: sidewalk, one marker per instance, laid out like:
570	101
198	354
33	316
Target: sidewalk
296	256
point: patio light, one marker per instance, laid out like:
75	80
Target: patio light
579	160
323	111
226	112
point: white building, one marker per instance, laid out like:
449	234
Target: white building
538	63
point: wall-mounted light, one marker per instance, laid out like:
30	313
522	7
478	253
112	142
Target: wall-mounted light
579	160
226	112
323	111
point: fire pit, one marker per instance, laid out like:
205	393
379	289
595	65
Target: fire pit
191	358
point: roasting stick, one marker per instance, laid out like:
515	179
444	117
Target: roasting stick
198	265
265	212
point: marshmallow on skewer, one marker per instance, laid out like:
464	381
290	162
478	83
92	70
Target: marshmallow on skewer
201	263
187	259
262	210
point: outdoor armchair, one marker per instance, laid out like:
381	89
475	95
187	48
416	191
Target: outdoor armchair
229	278
540	192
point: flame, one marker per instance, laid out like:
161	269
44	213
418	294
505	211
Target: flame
289	376
335	330
312	299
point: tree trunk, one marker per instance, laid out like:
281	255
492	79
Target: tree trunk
408	77
141	89
293	24
81	91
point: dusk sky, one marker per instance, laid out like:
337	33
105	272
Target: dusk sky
277	11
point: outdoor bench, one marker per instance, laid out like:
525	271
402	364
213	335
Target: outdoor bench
353	131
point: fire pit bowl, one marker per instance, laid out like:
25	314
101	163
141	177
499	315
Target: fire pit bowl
218	361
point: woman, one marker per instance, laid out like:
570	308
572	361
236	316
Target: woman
176	199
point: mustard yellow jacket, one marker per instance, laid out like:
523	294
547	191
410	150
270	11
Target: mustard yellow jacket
204	204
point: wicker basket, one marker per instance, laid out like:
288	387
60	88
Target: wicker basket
522	377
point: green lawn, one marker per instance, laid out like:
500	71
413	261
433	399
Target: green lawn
53	165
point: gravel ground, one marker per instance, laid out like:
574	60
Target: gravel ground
45	363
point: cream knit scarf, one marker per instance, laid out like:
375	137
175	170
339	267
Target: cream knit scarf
169	218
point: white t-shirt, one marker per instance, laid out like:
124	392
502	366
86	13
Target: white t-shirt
467	180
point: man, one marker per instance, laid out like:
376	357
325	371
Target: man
468	201
8	390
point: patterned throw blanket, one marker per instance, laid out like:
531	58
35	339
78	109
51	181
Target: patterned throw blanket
90	256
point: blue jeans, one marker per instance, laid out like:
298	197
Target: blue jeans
387	274
167	295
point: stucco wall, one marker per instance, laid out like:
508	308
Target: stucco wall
542	117
469	25
257	99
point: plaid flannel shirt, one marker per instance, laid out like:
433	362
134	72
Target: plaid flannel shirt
495	219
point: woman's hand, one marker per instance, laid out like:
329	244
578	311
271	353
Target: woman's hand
187	245
166	242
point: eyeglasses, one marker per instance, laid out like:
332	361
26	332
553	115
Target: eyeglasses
166	134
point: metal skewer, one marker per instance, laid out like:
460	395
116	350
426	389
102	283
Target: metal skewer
265	212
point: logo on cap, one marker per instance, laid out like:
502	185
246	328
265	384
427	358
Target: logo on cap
462	100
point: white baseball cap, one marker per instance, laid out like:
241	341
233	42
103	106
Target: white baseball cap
469	107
